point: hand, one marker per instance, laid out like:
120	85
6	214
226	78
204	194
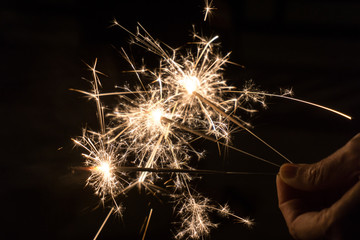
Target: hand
322	200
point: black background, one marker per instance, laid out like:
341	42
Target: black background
312	46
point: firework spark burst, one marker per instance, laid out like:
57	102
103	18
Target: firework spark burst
153	123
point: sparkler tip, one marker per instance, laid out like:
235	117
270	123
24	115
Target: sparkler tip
156	115
190	83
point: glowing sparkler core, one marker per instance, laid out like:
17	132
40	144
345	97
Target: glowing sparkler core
105	169
156	116
190	83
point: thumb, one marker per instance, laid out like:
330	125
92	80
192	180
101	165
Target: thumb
318	176
307	177
342	167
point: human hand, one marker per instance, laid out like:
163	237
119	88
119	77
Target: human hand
322	200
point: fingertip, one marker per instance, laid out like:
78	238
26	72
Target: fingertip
288	171
300	176
284	191
280	187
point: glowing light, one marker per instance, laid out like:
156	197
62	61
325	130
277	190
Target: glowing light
209	7
190	83
105	170
156	116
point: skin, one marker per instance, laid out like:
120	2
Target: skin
322	200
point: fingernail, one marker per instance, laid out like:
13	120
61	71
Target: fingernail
288	171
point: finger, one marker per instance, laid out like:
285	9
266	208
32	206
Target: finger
285	192
317	224
290	201
339	168
301	224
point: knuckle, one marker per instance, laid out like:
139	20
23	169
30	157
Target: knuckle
314	175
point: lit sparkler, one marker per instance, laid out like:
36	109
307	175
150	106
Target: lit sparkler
151	128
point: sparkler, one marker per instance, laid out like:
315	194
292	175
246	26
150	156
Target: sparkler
150	131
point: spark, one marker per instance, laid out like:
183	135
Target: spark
209	7
194	211
101	161
190	83
285	96
105	169
195	218
156	115
147	224
103	224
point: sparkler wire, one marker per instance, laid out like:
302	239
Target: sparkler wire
239	124
180	170
202	135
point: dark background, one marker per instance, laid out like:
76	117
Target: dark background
312	46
